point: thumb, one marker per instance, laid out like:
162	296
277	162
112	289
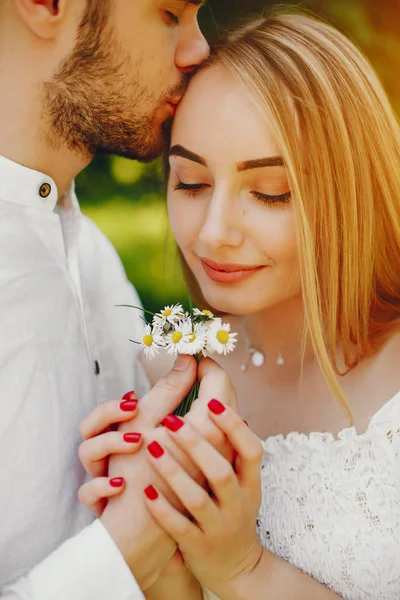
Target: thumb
170	391
215	383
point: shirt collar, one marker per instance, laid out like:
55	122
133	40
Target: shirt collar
21	185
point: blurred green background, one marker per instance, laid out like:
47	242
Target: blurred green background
126	198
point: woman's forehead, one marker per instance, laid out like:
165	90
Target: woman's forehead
218	119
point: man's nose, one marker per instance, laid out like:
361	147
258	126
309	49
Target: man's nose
192	51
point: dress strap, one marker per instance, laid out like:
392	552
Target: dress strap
388	414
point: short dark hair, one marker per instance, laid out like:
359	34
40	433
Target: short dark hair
95	14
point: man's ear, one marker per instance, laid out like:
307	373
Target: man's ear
42	16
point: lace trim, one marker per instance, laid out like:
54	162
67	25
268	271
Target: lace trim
319	440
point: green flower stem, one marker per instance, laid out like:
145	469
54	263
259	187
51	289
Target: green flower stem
147	312
186	405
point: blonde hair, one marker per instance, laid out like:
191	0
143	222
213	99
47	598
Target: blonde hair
340	142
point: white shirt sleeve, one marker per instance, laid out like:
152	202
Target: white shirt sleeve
88	566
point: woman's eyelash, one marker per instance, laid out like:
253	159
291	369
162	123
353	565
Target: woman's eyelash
190	188
267	199
195	188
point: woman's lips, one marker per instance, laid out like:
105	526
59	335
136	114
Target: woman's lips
228	273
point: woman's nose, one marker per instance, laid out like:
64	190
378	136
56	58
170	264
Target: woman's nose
220	226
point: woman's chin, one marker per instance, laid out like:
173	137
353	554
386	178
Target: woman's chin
228	305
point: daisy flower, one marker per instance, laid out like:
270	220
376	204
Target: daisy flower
170	314
175	340
219	337
152	341
195	340
203	316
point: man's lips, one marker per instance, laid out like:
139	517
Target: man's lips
229	272
174	103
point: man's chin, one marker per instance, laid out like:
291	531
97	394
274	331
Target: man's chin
145	146
145	153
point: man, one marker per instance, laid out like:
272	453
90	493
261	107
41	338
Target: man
77	77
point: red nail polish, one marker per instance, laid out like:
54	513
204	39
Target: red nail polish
155	449
128	405
244	421
151	492
132	438
216	407
172	422
130	396
117	482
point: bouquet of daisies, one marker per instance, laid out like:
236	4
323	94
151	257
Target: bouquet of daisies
197	332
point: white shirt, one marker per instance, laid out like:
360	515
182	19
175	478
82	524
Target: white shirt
60	280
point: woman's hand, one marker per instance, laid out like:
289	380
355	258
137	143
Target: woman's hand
101	440
219	542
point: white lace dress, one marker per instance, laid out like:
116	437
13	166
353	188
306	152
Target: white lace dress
331	507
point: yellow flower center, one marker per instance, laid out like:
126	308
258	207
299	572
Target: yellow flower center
191	337
206	312
223	336
148	340
167	312
176	337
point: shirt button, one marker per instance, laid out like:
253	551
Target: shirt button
44	190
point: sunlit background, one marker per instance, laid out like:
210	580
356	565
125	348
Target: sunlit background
126	199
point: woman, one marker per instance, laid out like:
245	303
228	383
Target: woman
284	199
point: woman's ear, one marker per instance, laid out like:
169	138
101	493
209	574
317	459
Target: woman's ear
42	17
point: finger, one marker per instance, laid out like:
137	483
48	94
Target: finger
217	470
186	534
215	383
198	417
193	497
95	493
93	453
243	440
170	391
107	414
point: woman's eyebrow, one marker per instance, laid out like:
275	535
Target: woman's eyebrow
184	153
269	161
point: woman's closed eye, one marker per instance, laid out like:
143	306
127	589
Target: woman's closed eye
272	198
191	189
194	189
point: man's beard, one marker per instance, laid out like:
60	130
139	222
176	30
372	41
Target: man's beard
93	108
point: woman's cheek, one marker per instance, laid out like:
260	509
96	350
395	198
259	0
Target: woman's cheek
275	233
181	222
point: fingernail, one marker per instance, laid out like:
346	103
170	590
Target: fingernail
182	363
244	421
172	422
155	449
132	438
151	492
216	407
117	482
130	396
128	405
